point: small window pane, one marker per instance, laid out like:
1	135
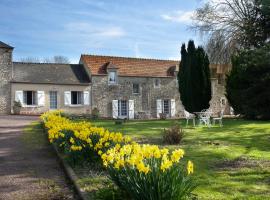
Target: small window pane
53	99
166	106
157	83
112	77
29	97
76	97
136	88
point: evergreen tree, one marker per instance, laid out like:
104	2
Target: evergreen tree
194	78
247	85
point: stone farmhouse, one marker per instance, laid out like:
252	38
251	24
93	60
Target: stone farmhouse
119	87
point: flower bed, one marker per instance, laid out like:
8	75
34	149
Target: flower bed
143	171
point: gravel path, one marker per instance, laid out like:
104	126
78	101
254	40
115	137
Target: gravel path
28	167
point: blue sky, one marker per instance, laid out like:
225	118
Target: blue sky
135	28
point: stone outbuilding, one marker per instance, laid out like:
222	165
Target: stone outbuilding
119	87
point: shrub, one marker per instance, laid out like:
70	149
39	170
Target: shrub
146	172
247	85
173	135
95	113
162	116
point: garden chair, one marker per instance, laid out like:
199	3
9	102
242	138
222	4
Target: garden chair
219	118
189	116
204	117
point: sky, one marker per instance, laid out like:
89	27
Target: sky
132	28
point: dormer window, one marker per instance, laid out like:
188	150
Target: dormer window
112	77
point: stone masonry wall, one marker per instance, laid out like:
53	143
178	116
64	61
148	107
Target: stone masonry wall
103	94
5	78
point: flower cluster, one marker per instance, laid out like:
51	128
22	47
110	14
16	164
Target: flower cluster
141	157
79	135
133	167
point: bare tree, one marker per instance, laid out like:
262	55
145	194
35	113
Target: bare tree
232	24
30	60
54	59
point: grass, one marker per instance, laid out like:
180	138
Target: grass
231	162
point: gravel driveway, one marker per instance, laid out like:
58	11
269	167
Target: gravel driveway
28	170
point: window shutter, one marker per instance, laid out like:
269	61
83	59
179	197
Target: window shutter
41	98
172	108
159	107
131	109
86	98
19	96
67	97
115	109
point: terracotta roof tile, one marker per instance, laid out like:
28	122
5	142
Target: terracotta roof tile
130	66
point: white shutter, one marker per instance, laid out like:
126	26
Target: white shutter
172	107
131	109
41	98
67	97
159	107
86	98
115	109
19	96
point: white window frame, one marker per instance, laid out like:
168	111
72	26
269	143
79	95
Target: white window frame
115	78
120	108
159	83
53	99
34	98
81	96
169	106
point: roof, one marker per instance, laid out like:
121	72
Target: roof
50	73
126	66
4	45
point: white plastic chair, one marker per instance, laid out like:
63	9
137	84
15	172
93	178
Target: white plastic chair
219	118
189	116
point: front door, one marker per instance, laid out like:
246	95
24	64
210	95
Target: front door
122	108
53	100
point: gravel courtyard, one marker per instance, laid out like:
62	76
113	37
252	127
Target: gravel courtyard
28	167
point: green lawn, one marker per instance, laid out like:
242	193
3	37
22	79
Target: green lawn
232	162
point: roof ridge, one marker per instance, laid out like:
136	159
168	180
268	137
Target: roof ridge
128	57
18	62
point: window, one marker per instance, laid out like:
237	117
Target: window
156	83
30	98
53	99
76	98
136	88
166	106
122	108
112	77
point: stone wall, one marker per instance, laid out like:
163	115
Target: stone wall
103	94
5	78
78	109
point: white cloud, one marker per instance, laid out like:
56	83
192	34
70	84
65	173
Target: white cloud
179	16
84	28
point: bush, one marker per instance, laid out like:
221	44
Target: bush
95	113
247	85
162	116
173	135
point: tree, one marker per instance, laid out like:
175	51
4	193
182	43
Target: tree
230	25
247	85
194	78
